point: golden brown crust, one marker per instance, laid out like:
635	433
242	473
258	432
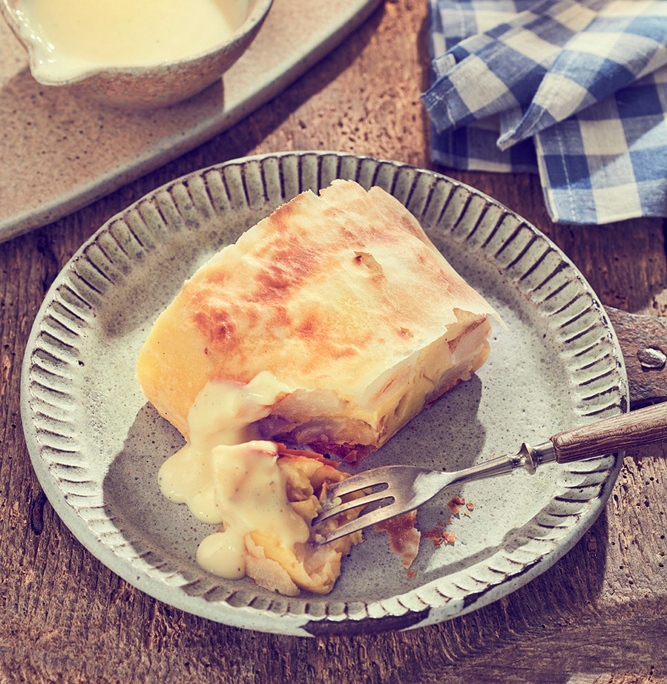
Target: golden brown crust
340	293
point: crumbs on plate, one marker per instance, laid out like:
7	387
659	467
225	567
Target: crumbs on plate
438	535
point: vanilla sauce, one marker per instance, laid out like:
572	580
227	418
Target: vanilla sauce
75	36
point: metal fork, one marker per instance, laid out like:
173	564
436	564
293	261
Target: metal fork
409	487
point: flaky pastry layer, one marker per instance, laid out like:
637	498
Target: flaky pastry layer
344	300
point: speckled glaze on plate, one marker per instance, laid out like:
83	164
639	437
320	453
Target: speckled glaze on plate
96	444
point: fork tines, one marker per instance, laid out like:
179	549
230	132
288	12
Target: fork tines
355	484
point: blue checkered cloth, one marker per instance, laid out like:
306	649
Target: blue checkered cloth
575	90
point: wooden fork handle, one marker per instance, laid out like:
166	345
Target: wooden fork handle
626	431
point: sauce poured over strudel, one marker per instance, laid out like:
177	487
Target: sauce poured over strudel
329	324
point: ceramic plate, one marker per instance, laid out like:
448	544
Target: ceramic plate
96	444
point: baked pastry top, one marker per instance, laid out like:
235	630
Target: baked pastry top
344	301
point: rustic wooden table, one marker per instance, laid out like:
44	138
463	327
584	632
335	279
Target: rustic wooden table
599	615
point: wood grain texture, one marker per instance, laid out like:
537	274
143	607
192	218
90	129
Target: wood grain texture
599	616
626	431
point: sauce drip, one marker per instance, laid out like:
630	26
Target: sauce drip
228	477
